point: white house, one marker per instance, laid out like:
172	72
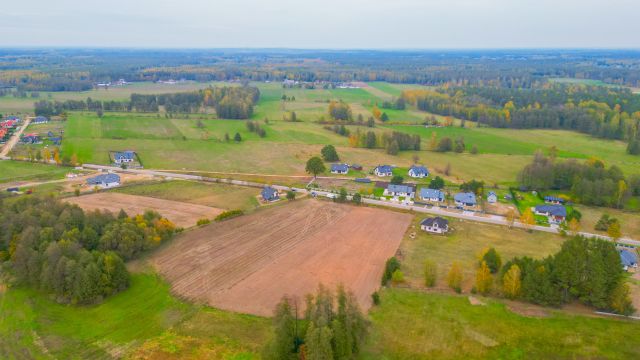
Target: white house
123	157
399	190
492	198
104	181
383	170
467	199
432	195
436	225
339	169
418	172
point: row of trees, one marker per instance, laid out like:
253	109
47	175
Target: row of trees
588	182
333	327
393	142
76	256
230	102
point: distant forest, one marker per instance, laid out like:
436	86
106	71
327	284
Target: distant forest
80	69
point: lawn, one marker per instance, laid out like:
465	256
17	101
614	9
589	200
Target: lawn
629	221
464	243
25	171
415	325
144	320
215	195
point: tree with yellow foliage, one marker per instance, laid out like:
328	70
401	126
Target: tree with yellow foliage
527	218
454	277
622	189
433	143
484	281
511	282
376	112
74	159
574	225
46	155
56	156
614	230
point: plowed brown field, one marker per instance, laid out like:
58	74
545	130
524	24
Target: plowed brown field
247	264
180	213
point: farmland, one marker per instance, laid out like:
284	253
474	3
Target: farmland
11	171
247	264
181	214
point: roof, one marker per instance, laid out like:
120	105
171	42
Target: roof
419	170
269	193
442	223
553	198
384	168
491	193
340	167
555	210
40	118
628	258
103	179
363	180
124	155
431	194
399	188
466	197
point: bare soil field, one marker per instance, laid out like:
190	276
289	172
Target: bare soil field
249	263
180	213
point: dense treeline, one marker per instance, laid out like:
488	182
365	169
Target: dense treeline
393	142
55	70
229	102
598	111
325	332
587	270
77	256
589	182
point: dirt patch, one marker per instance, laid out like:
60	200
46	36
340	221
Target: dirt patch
475	301
528	310
180	213
247	264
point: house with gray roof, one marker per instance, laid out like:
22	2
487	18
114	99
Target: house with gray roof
435	225
339	169
400	190
40	120
555	213
104	181
270	194
554	200
465	199
492	198
383	170
433	195
628	259
416	171
123	157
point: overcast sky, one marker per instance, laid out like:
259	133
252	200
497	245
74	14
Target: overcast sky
332	24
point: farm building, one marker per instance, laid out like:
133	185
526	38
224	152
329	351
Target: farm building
356	166
40	120
418	172
122	157
383	170
399	190
465	199
555	213
492	198
104	181
436	225
554	200
628	259
339	168
434	195
269	194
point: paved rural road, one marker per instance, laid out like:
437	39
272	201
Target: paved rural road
467	215
14	139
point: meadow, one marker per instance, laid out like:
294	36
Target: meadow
24	171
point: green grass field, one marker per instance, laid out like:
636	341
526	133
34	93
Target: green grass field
24	171
414	325
216	195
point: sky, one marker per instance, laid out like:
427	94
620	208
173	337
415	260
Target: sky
321	24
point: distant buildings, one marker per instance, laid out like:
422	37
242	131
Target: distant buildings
400	190
628	259
465	199
432	195
492	198
383	170
435	225
555	213
124	157
339	169
104	181
39	120
418	172
269	194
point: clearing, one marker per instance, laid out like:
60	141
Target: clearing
247	264
181	214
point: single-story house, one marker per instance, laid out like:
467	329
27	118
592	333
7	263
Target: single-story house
418	171
269	194
105	181
628	259
554	200
492	198
434	195
436	225
56	140
399	190
40	120
121	157
31	139
383	170
339	168
555	213
465	199
356	167
13	190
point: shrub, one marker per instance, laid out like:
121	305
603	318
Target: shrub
390	267
203	221
397	277
228	215
430	273
375	297
291	195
